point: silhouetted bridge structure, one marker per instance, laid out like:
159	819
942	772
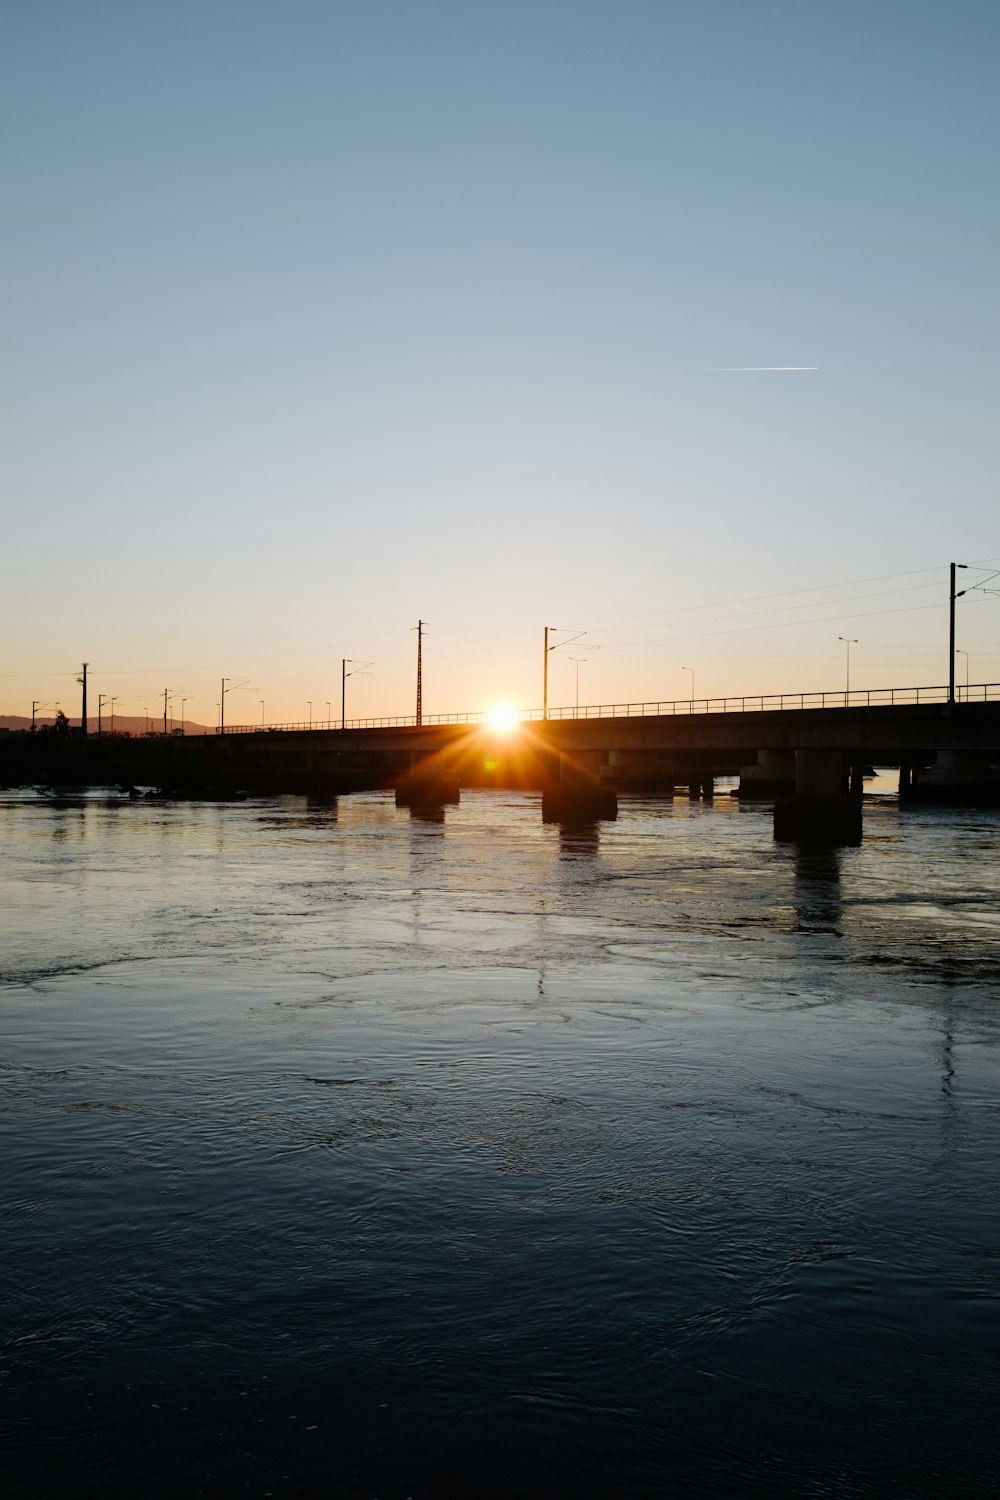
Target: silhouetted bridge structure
806	751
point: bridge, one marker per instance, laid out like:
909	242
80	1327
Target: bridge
807	751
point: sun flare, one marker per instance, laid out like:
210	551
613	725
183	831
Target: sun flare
502	716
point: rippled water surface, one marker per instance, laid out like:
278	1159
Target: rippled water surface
352	1153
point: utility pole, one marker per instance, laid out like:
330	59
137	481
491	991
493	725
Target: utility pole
222	708
344	674
83	714
545	675
952	596
35	706
545	660
420	671
165	692
102	698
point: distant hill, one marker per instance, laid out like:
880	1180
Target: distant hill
124	723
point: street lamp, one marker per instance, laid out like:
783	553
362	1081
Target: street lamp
310	702
691	670
183	702
960	652
327	702
848	642
578	660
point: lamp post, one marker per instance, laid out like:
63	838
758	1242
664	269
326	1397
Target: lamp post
310	702
848	642
113	702
35	706
183	702
327	702
578	660
102	698
691	670
960	652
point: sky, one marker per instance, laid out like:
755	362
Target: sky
323	318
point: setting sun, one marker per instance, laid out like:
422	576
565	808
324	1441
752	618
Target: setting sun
502	716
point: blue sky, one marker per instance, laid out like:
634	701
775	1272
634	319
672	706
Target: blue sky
323	317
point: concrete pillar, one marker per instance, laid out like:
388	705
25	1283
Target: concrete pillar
819	773
773	775
820	812
958	778
580	795
430	782
643	771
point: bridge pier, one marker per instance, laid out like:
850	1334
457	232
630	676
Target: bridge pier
772	775
820	812
430	782
701	784
643	771
579	796
956	778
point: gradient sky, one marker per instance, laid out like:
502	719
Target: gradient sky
320	317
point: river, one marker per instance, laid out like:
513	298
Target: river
352	1153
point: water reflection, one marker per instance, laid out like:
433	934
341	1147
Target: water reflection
817	894
579	840
427	812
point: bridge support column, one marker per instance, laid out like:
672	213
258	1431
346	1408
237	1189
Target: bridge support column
429	782
773	775
701	783
957	778
580	795
643	771
820	812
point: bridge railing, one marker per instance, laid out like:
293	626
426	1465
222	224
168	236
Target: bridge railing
983	692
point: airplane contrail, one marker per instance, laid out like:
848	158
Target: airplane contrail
755	369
